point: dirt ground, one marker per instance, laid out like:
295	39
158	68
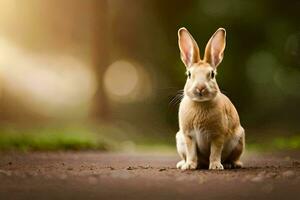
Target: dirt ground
98	175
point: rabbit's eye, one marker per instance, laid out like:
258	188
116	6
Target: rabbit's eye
188	73
212	74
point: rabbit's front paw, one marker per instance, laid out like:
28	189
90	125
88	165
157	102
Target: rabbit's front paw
189	165
216	166
180	164
237	164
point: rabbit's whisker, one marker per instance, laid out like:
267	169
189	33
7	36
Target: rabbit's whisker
177	98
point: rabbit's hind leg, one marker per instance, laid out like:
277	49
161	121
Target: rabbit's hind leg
234	157
181	149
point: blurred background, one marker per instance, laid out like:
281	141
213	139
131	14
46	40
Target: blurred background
104	74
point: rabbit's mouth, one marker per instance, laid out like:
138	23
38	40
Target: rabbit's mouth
201	97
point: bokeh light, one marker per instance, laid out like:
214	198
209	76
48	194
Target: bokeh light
48	85
126	82
261	67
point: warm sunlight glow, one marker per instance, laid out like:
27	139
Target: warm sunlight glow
126	82
50	85
121	78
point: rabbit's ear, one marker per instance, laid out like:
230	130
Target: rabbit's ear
188	48
215	47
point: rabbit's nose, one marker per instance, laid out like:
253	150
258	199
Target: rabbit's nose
200	90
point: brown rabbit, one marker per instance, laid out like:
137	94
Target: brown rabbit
209	127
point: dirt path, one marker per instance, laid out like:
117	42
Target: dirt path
96	175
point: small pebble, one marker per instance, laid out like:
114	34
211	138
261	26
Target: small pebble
271	175
144	167
129	168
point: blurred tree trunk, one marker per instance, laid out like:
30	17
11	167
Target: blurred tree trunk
100	56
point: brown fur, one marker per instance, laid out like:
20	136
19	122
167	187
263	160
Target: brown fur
208	121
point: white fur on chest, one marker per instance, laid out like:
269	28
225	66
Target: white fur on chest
203	139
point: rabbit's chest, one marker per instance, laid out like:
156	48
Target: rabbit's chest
203	139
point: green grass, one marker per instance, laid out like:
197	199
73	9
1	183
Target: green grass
292	142
119	137
81	137
275	144
50	138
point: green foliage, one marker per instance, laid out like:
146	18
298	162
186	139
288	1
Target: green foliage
276	144
287	143
49	139
79	137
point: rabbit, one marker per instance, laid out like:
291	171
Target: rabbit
210	134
